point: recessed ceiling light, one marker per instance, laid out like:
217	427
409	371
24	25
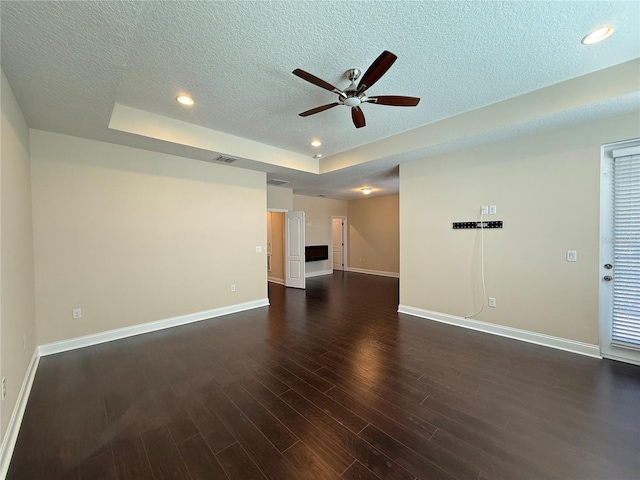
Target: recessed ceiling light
316	143
366	190
317	155
185	100
597	35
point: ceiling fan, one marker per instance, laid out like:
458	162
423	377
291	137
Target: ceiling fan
355	95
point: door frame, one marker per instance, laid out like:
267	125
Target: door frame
607	350
269	255
344	241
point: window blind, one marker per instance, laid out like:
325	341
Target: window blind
626	250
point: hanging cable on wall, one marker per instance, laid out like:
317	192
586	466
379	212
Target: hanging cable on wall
484	289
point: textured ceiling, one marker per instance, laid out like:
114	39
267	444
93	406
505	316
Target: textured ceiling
69	63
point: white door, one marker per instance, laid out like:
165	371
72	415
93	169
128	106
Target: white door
620	252
338	245
294	224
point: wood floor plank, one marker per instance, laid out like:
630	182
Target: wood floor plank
237	464
99	467
340	413
258	447
164	457
328	382
325	447
291	367
270	426
130	457
405	412
438	465
212	429
200	460
373	459
357	471
411	436
308	464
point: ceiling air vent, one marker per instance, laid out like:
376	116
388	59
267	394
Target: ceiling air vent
224	159
275	181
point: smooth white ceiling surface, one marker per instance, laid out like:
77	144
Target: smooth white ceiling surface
69	63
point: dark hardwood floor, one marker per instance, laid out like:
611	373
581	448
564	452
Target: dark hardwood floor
328	383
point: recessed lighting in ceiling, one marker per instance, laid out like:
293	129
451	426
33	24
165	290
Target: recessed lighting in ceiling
316	143
366	190
597	35
185	100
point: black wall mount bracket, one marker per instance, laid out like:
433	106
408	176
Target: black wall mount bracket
487	224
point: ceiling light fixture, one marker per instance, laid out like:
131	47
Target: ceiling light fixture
317	155
597	35
316	143
366	190
185	100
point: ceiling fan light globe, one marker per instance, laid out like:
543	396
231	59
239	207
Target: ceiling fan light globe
352	102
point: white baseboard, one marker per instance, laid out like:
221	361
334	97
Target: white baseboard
110	335
509	332
317	274
373	272
13	427
279	281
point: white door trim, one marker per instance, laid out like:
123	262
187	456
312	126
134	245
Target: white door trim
606	256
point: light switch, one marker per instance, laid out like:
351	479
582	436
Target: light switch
492	210
572	256
258	249
484	209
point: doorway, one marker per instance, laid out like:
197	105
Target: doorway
286	248
275	247
620	252
339	243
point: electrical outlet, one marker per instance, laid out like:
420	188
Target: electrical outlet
484	209
492	302
258	249
77	313
572	256
4	387
492	209
233	287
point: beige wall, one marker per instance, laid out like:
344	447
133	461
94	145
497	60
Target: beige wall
132	236
279	198
277	246
318	213
374	234
546	188
17	314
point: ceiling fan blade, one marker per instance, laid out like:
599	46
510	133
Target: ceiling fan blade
318	109
377	69
358	117
394	100
315	80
